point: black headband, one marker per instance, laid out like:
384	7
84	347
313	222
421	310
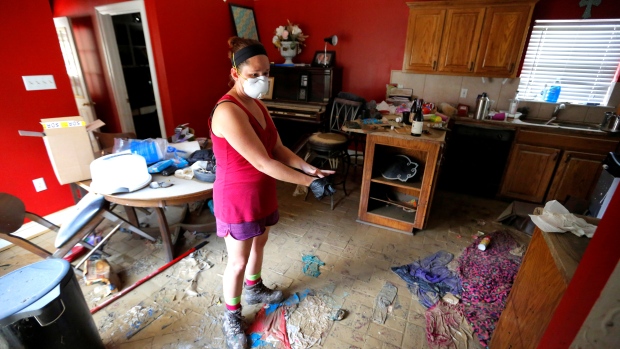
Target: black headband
247	53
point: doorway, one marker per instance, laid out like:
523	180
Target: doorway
131	70
131	43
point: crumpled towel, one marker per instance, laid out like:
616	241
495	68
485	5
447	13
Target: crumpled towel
557	219
311	265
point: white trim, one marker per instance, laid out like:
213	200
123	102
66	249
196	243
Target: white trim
31	230
112	60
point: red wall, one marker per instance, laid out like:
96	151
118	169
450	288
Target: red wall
371	37
29	46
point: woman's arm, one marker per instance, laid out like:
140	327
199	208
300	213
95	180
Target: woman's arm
230	122
287	157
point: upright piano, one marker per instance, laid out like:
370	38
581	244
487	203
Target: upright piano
299	99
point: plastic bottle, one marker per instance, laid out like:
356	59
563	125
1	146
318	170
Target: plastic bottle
543	94
554	92
514	104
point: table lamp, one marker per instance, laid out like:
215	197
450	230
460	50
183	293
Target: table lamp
332	40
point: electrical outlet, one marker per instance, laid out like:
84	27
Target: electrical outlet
39	184
39	82
463	93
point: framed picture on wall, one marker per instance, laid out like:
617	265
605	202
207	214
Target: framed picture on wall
269	94
324	59
245	21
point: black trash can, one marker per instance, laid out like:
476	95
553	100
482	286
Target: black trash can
43	307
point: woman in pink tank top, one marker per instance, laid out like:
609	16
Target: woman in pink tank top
250	158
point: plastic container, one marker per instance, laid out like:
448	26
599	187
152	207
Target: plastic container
554	92
484	243
43	307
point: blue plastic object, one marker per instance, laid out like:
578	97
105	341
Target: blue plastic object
553	93
146	148
160	166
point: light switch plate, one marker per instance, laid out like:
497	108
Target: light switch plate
39	184
39	82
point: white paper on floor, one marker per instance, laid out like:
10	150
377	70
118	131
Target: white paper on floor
308	323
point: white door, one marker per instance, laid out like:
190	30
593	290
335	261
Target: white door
74	69
113	61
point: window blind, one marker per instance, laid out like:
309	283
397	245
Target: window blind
583	54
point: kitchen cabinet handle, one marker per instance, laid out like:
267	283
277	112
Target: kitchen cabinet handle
555	156
471	66
567	158
512	66
434	65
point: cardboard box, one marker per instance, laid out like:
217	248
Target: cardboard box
68	146
517	215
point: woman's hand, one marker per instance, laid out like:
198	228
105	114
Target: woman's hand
315	172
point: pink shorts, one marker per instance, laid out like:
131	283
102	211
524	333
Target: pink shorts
246	230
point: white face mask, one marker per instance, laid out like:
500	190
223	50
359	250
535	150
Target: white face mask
255	87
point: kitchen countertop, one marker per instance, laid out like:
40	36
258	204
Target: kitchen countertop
540	128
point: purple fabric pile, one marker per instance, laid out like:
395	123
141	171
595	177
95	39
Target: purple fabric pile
487	278
430	279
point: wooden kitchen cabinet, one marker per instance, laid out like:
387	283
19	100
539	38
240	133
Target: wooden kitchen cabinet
529	172
545	166
576	176
502	40
459	42
381	199
468	37
423	41
546	270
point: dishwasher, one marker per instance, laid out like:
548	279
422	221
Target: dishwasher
475	158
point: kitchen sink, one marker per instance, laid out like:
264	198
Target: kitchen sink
562	125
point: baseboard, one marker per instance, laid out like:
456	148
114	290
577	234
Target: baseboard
31	229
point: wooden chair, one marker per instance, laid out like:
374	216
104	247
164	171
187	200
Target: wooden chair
88	214
106	140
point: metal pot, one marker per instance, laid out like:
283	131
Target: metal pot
611	123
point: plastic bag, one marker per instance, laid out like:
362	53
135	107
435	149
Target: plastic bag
153	150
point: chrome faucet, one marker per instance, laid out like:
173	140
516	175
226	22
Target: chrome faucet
556	111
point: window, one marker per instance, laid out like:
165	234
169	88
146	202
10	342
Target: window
583	54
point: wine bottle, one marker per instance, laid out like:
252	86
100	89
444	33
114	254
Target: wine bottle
418	120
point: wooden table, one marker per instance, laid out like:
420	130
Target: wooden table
182	191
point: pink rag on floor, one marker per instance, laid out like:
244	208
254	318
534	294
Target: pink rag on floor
272	325
487	278
446	327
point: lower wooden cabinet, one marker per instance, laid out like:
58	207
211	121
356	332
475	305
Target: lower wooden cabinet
529	172
544	166
546	270
576	176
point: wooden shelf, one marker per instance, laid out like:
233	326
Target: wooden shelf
397	183
376	190
394	212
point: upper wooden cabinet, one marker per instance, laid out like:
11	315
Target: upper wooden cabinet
468	37
459	43
423	39
503	39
